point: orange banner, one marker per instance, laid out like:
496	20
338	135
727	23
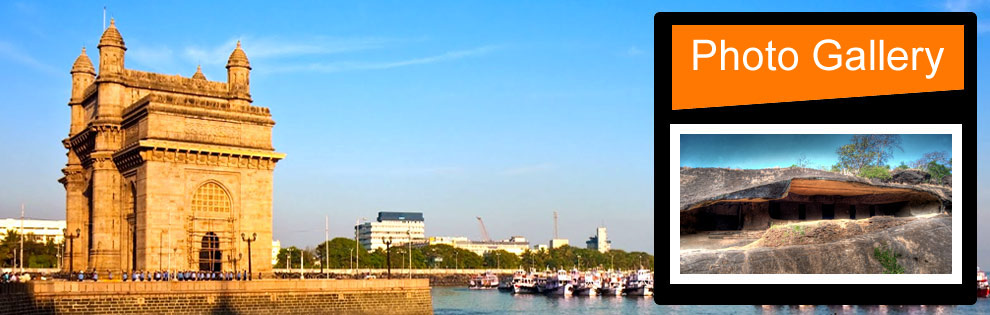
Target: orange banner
725	65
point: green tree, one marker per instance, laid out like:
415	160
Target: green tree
903	166
938	171
294	254
36	254
501	259
871	171
341	251
867	150
939	157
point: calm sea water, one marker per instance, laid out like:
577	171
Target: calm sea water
457	300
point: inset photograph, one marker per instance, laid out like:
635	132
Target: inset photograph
815	204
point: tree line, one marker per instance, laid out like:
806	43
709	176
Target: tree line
36	254
441	256
868	156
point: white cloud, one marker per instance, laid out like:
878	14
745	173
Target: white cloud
271	48
362	65
12	52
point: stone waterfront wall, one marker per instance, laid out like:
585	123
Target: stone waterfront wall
397	296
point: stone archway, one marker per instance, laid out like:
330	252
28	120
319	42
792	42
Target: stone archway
209	253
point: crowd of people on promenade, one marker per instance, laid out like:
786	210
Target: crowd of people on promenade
14	277
164	275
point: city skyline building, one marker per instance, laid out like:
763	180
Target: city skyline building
599	241
35	230
398	227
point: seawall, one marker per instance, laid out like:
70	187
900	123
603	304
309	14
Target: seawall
395	296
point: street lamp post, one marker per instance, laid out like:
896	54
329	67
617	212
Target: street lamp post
288	260
388	255
409	238
498	261
72	239
254	237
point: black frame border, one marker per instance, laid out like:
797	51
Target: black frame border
947	107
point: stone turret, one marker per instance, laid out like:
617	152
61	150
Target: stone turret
111	51
199	74
238	76
83	75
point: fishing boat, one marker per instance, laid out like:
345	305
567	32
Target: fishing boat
589	284
612	284
559	284
640	283
541	282
482	282
508	286
526	285
982	288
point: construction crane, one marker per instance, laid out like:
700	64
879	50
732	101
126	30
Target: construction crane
484	232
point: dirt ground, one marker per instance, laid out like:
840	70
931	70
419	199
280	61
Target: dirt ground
718	239
824	231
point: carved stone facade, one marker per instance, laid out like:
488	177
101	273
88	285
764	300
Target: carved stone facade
165	171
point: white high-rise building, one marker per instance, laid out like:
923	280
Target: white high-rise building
276	247
599	241
399	227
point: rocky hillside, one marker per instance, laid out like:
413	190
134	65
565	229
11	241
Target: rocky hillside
922	246
700	186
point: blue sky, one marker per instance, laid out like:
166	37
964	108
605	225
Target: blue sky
456	109
752	151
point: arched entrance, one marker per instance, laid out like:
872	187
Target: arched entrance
209	253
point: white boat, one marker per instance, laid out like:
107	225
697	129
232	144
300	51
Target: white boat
486	281
589	284
613	284
509	286
640	283
526	285
559	284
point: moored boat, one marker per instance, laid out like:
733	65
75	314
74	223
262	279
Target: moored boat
486	281
612	285
639	284
509	286
526	285
559	284
588	284
982	287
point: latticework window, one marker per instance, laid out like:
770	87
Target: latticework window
211	198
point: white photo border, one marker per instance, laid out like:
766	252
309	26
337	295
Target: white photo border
676	130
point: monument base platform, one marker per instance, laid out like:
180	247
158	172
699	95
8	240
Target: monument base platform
316	296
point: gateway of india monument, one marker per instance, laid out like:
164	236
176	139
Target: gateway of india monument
166	172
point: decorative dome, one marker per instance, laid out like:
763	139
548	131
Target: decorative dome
83	64
111	37
199	74
238	58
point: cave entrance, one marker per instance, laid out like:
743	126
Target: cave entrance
723	217
807	199
828	212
